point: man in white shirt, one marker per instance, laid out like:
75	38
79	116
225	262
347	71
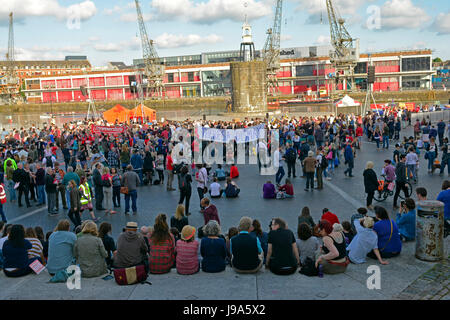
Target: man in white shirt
412	160
215	189
202	180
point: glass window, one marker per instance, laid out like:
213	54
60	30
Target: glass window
304	70
190	76
361	67
416	64
170	77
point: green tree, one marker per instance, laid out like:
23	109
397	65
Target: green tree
437	60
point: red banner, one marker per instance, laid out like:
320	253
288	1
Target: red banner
107	130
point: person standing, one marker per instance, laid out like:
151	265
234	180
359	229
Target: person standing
412	160
309	165
202	179
107	190
280	159
370	183
169	168
185	181
23	178
50	188
349	159
385	136
75	203
291	157
60	189
445	161
70	175
116	185
137	163
86	198
400	180
130	179
98	187
10	167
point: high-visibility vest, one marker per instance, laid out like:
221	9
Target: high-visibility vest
85	194
2	194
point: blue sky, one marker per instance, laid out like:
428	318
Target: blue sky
108	30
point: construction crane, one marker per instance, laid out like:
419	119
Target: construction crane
10	81
153	69
346	50
271	51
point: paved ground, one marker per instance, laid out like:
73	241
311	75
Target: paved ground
342	195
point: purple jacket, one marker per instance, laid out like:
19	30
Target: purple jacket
269	191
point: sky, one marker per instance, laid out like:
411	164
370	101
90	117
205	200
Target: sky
107	30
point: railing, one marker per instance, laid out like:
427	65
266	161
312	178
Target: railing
433	116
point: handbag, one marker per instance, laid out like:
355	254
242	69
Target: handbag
132	275
329	155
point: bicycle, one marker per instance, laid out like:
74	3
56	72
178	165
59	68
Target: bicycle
387	189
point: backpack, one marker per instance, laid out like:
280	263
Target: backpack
324	163
182	182
291	155
49	162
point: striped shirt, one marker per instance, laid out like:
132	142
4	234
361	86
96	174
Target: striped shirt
36	249
187	257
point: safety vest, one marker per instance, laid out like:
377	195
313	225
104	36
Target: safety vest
85	194
2	194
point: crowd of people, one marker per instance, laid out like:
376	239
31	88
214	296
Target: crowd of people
88	173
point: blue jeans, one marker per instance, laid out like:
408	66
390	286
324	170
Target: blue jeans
68	198
378	143
280	174
445	163
2	213
41	193
331	166
139	173
386	142
12	191
411	168
431	157
133	195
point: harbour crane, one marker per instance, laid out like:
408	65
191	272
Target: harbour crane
154	70
346	50
10	81
271	51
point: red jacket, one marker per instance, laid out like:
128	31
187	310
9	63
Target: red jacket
330	217
234	172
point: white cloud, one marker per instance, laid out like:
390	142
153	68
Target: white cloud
318	9
30	54
109	47
442	23
113	10
46	8
72	49
132	17
210	11
397	14
166	40
285	37
323	40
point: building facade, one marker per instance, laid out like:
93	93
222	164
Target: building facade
303	70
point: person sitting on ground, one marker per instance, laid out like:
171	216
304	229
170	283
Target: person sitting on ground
108	242
282	252
347	231
231	189
389	242
131	248
187	252
90	252
220	173
179	220
269	191
421	193
262	236
329	216
215	189
175	233
305	217
37	250
16	262
234	172
246	251
365	241
286	190
209	211
334	258
213	248
406	220
307	244
60	248
362	213
162	247
233	231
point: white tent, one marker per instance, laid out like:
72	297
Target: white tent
348	102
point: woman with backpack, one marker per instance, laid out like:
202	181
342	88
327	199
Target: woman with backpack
184	183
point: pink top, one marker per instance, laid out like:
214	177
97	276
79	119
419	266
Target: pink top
187	257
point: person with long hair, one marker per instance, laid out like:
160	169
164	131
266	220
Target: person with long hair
305	217
15	253
75	204
261	235
104	232
184	181
162	247
179	220
37	249
389	242
90	252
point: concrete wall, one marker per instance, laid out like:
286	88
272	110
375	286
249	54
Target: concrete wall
249	90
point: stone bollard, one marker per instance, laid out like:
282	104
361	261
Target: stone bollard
430	230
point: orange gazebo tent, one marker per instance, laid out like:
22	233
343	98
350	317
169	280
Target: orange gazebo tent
118	113
137	112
